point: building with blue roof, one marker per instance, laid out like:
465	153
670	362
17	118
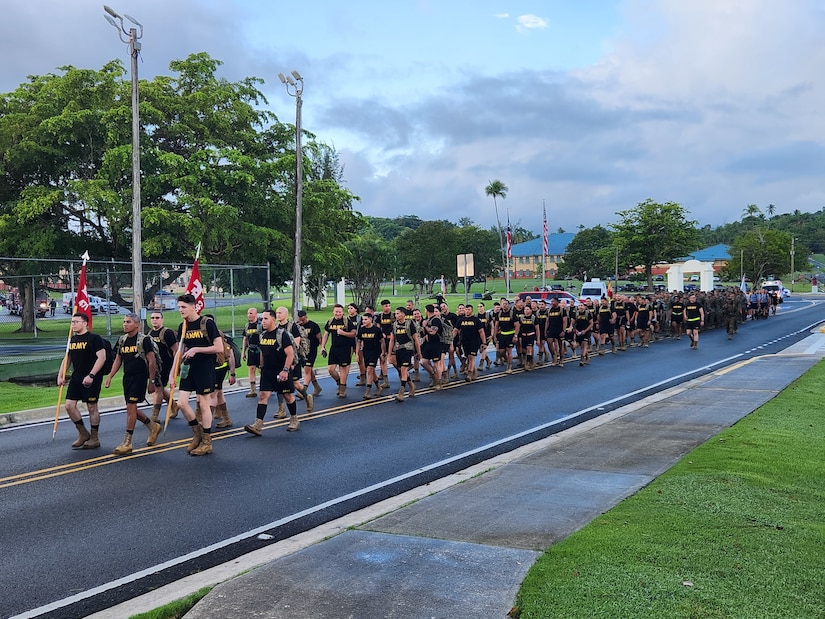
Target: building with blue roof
526	258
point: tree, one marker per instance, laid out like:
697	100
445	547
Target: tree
428	252
591	251
368	267
218	169
497	189
762	251
653	233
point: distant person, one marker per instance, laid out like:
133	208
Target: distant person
136	353
250	350
87	356
52	307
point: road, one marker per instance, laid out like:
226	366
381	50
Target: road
105	529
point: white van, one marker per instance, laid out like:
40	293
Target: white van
594	290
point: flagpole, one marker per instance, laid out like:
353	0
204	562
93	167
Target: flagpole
64	366
544	247
178	354
509	252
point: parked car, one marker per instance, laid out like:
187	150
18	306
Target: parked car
561	295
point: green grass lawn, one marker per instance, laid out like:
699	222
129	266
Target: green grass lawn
735	529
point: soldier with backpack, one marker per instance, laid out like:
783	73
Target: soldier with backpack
404	344
299	339
138	354
251	348
88	357
225	362
167	345
277	361
200	343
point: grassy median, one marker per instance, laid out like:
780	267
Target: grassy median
735	529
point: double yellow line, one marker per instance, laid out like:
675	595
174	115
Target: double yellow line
141	452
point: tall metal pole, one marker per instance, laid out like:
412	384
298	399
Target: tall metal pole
132	36
137	224
295	87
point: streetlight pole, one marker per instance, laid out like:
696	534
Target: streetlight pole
295	88
130	37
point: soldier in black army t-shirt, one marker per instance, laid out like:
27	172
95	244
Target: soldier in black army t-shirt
86	356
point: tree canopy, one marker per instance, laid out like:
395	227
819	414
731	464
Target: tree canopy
216	168
652	233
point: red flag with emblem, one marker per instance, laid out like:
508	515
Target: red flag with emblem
195	287
81	299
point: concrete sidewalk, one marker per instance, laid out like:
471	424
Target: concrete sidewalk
452	549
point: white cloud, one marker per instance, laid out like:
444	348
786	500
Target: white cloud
501	15
531	22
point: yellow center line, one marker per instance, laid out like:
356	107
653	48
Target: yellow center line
96	462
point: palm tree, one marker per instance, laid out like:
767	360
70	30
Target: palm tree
771	210
751	210
498	189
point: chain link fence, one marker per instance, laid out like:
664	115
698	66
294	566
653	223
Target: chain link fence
35	309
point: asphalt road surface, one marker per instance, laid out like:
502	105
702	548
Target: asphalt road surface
83	530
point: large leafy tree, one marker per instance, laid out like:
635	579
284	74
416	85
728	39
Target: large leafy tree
652	233
218	169
590	252
762	251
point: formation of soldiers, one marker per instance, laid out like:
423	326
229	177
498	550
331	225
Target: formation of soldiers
444	344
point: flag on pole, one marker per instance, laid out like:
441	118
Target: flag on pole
81	299
609	289
743	286
195	287
545	246
509	239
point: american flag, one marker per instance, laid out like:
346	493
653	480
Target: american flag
509	240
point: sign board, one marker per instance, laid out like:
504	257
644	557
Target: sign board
465	265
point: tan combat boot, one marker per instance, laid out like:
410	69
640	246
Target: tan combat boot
316	388
400	395
82	436
256	428
293	423
173	409
281	412
342	391
125	447
204	448
411	385
197	437
225	419
362	380
93	442
154	431
310	400
367	394
252	392
155	413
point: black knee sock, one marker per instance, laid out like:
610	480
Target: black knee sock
292	407
260	412
193	423
130	432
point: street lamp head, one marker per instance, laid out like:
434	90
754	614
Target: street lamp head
297	76
111	21
111	11
133	20
282	78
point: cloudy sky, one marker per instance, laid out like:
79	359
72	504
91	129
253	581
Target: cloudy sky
589	107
